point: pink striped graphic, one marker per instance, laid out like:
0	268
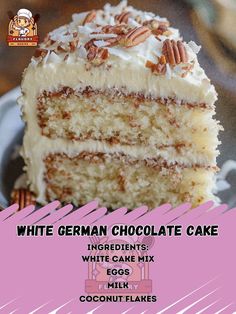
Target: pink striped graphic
47	275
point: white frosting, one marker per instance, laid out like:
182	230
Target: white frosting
125	69
127	65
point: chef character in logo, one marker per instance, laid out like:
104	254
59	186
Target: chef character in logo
22	21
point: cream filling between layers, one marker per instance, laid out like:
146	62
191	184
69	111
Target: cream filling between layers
38	147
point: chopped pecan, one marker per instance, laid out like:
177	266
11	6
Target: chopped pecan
89	17
61	49
116	29
73	44
40	52
110	42
113	41
138	19
157	27
174	52
89	44
123	17
152	24
66	57
162	59
161	30
23	197
159	68
187	68
96	55
135	36
92	52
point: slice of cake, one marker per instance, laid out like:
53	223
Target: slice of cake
117	108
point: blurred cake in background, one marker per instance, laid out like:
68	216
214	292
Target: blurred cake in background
225	22
215	22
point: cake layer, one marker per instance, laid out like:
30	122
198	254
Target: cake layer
118	180
115	118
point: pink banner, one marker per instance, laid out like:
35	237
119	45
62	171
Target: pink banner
188	265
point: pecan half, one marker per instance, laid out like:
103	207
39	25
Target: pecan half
135	36
174	52
89	17
123	17
23	197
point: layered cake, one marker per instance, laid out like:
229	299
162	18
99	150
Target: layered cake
117	108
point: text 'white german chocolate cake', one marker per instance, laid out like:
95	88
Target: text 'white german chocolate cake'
117	108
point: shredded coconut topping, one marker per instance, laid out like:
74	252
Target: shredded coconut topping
128	33
195	48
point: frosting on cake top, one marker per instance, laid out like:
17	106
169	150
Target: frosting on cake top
121	32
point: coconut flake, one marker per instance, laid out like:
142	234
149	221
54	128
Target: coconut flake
58	33
111	21
119	53
133	23
157	53
107	7
69	58
195	48
147	16
67	38
115	9
122	5
161	19
34	61
168	71
45	59
85	30
79	17
178	69
82	52
101	43
101	36
53	57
